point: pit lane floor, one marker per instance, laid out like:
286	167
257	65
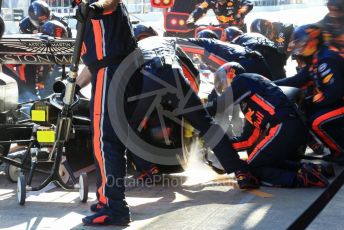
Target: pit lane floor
196	199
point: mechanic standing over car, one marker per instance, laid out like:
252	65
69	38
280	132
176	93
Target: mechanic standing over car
108	40
228	12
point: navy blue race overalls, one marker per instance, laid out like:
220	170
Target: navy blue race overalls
258	42
177	71
324	77
216	53
272	131
107	37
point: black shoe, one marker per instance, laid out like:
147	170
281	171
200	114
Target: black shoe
308	176
246	180
105	217
97	207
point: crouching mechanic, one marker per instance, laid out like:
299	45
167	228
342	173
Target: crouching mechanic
215	53
323	77
258	42
272	132
165	62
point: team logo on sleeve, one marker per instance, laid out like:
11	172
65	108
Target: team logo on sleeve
322	67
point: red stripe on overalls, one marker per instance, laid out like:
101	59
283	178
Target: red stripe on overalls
193	50
218	60
97	111
263	143
263	103
190	77
249	142
322	119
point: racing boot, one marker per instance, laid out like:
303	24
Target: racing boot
106	217
246	180
309	176
97	206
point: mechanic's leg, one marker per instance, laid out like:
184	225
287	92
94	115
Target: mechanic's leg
268	157
329	127
108	149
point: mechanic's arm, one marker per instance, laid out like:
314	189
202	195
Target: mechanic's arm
247	138
333	84
199	12
234	94
300	80
84	77
206	48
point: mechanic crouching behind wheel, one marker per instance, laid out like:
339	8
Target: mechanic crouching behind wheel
272	132
323	77
165	62
215	53
228	12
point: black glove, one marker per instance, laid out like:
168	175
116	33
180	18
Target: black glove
94	10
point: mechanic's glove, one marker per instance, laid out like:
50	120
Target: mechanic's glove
94	10
190	23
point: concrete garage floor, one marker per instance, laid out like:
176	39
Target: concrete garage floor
197	199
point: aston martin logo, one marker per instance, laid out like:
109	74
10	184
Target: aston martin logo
37	46
36	51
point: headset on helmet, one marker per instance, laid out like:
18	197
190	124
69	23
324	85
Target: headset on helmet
39	12
232	32
207	34
55	29
142	31
262	26
305	40
225	74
